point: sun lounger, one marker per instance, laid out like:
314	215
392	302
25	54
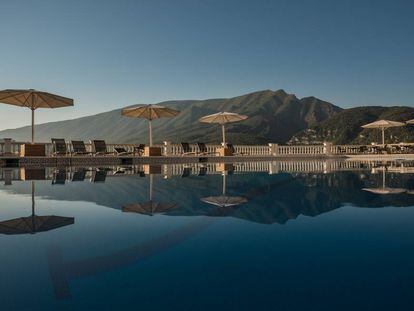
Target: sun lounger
139	151
79	148
59	177
98	175
79	175
59	146
363	149
186	172
233	150
187	149
122	170
204	151
202	171
99	147
121	151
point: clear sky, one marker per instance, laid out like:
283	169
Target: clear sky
110	54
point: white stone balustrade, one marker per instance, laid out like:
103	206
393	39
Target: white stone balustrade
12	148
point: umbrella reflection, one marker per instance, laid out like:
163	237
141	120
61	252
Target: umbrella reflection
150	207
224	201
34	223
383	189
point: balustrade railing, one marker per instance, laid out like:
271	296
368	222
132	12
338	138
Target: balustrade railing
200	169
12	148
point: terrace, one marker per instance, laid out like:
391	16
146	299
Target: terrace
11	153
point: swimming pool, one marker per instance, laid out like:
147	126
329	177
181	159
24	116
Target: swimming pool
196	237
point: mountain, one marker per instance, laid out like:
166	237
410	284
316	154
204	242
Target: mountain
345	127
274	116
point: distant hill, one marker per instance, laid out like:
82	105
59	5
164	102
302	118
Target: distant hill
345	127
274	116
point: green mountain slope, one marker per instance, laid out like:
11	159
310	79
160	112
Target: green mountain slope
274	116
345	127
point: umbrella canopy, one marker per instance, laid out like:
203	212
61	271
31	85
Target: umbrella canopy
223	118
33	100
33	224
224	201
383	125
149	112
148	208
385	190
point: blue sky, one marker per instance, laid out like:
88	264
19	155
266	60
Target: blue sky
110	54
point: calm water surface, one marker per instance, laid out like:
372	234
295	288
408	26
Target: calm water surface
108	239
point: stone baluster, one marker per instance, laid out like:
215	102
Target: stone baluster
7	146
168	150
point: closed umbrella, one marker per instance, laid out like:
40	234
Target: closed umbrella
223	118
33	100
383	125
149	112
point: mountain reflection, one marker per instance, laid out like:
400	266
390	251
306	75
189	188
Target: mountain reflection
267	198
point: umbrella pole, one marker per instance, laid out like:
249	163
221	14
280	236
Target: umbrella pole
224	183
150	132
383	137
33	208
33	201
33	111
150	187
224	135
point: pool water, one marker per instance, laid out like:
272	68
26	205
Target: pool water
128	240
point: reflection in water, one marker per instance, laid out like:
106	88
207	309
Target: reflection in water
34	223
225	201
149	208
383	189
99	175
61	272
259	197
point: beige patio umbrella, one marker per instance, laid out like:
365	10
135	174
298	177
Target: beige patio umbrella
33	100
149	112
150	207
383	125
223	118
